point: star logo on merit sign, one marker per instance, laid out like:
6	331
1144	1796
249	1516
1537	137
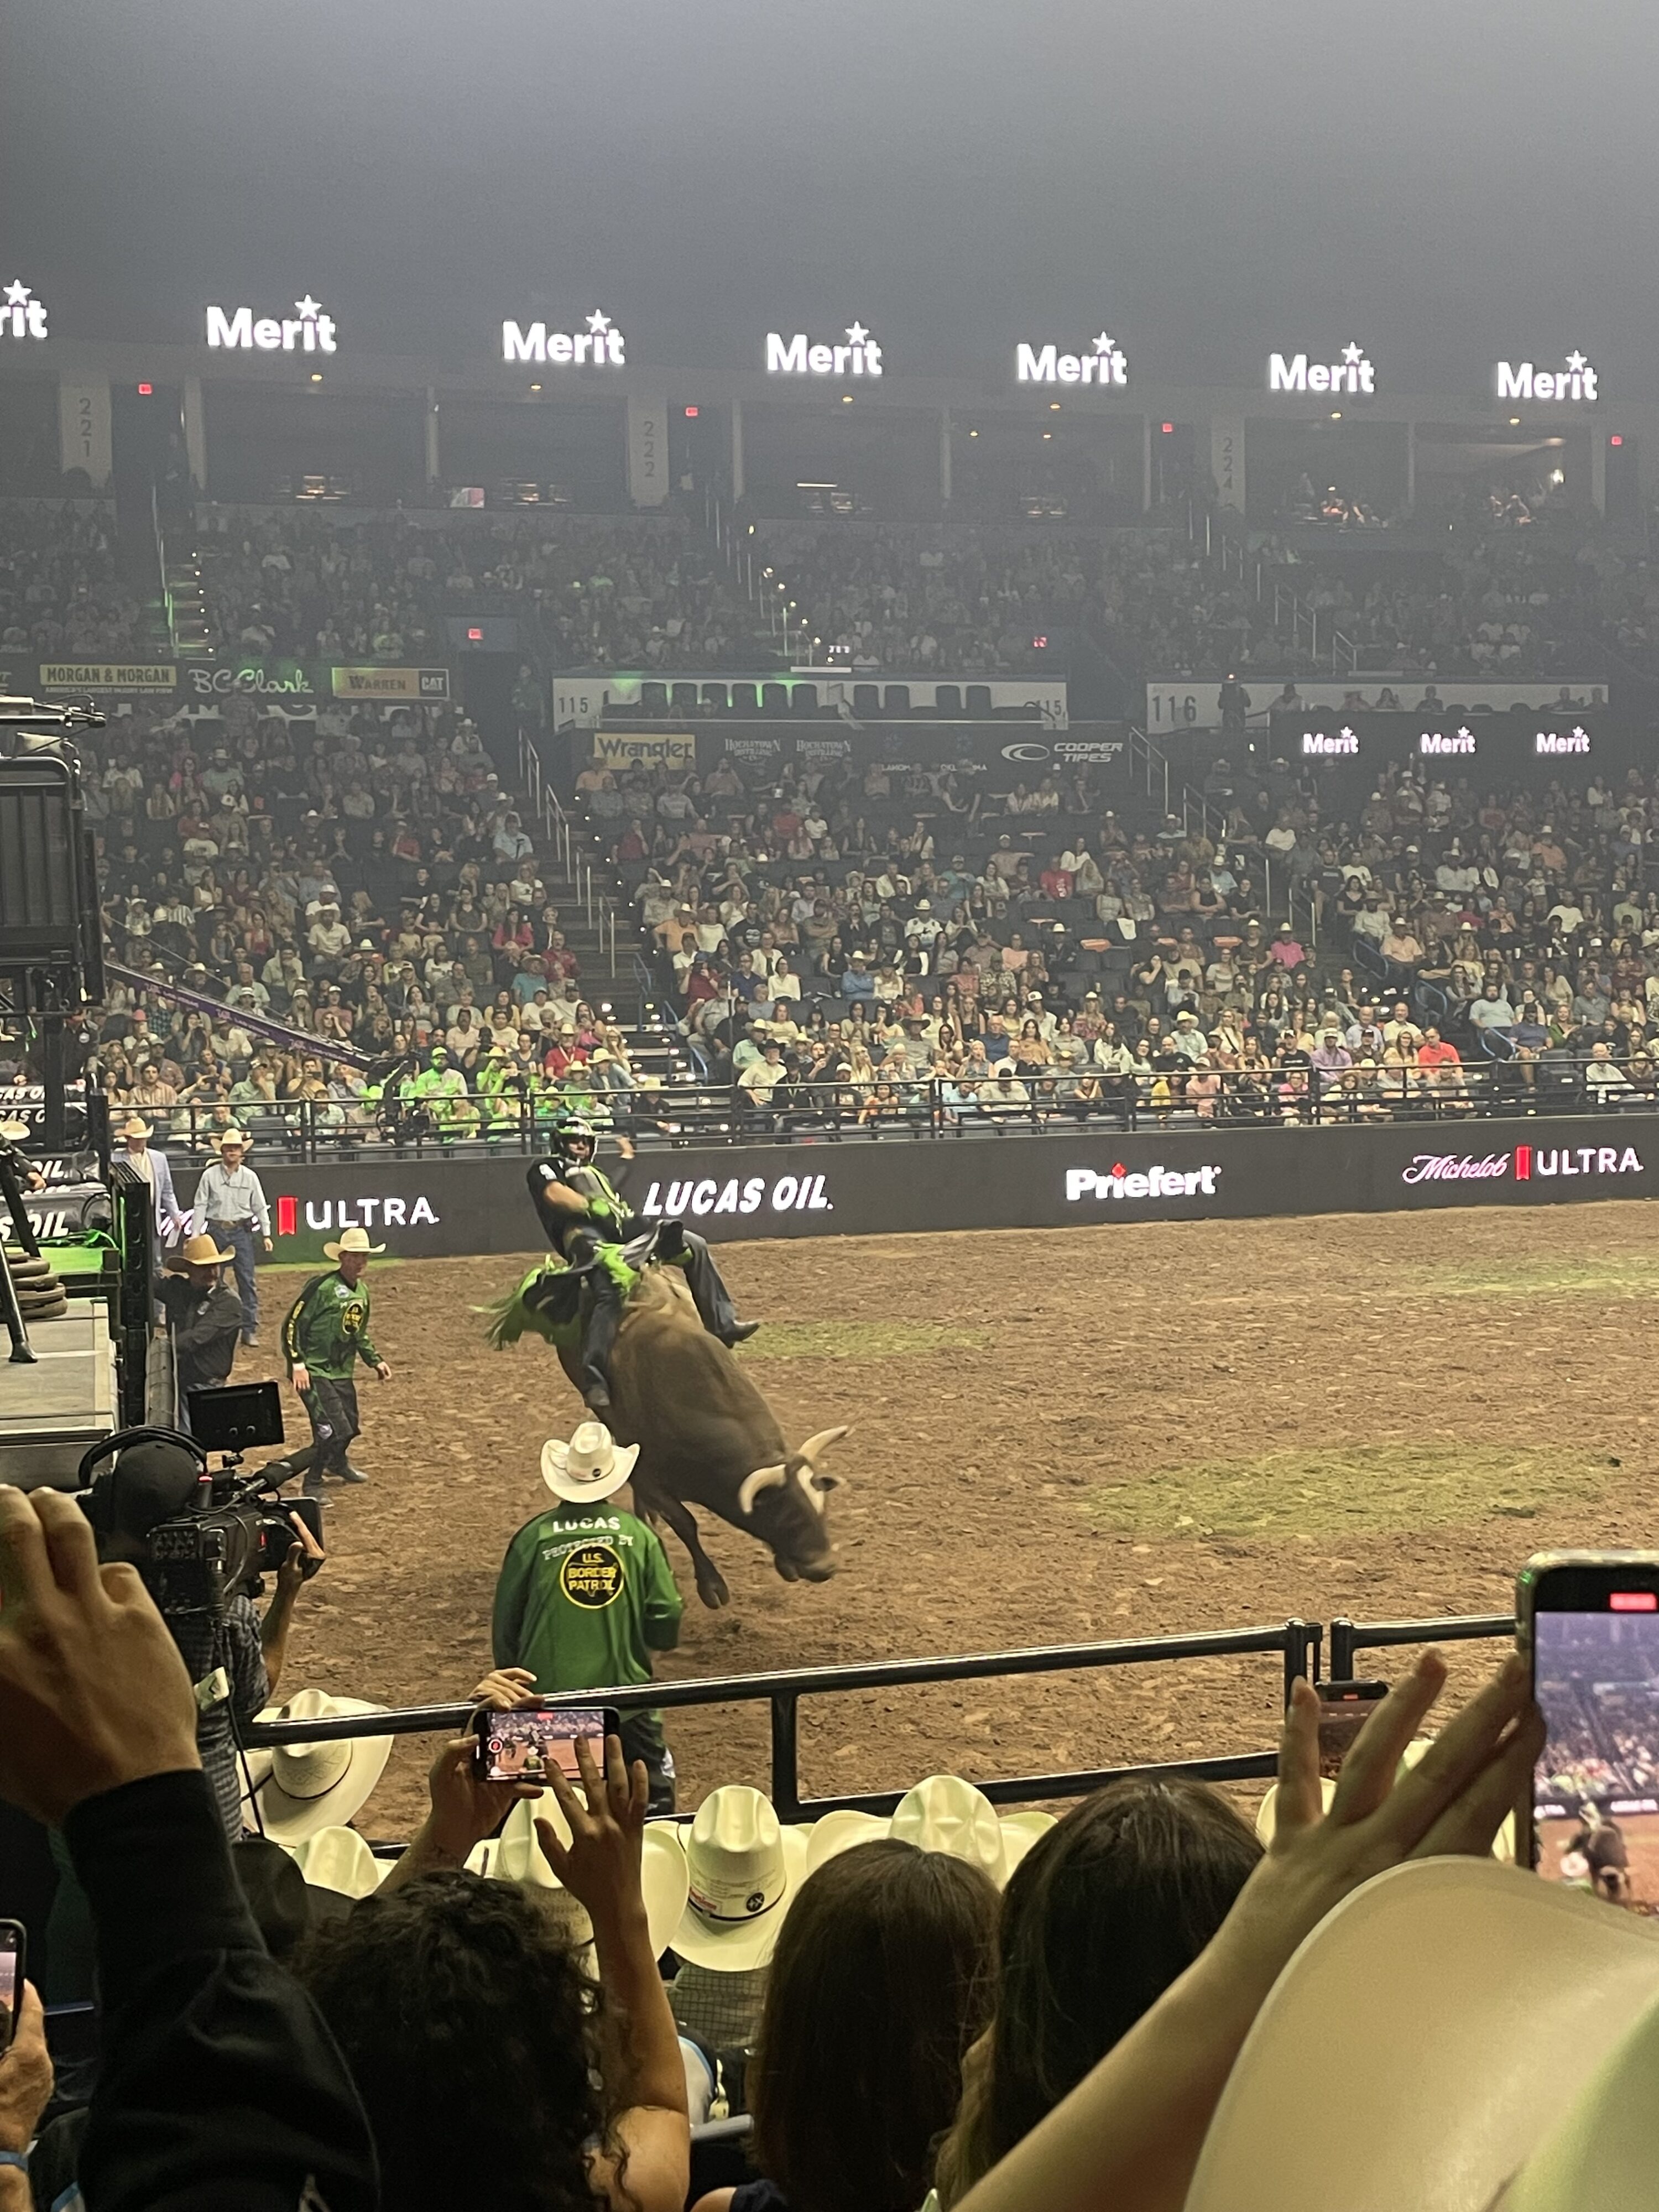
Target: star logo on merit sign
17	295
308	307
597	322
857	332
1576	362
1352	354
1103	343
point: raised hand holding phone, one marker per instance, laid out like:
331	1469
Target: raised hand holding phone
1588	1624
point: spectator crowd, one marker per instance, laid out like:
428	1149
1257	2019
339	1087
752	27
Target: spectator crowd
727	2014
898	946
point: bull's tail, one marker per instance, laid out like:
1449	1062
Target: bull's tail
545	1305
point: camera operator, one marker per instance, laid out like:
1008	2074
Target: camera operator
235	1659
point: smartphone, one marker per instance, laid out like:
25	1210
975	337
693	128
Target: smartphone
520	1746
1588	1622
13	1958
1344	1709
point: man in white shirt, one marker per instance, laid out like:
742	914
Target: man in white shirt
153	1168
230	1205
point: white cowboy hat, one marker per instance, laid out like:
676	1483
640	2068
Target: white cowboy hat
199	1252
946	1814
133	1127
1503	1846
516	1856
1488	1999
589	1467
338	1859
351	1240
835	1833
233	1136
14	1133
319	1785
744	1869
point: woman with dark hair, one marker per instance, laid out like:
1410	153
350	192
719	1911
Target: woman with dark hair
493	2068
1100	1917
876	1988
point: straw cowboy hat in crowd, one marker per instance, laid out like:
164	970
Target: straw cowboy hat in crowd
199	1252
589	1467
133	1127
319	1785
516	1855
1506	2040
745	1868
220	1138
350	1240
338	1859
946	1814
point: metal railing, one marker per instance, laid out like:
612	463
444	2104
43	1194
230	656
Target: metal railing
1296	1642
869	1109
598	910
1349	1637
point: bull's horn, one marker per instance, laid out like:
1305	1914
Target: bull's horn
811	1487
763	1477
821	1442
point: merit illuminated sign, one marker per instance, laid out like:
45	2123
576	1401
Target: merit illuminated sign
1559	741
1102	364
308	330
1318	744
799	356
1519	379
599	345
22	316
1353	373
1436	742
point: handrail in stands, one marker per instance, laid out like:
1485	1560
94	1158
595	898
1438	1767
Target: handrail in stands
1297	1642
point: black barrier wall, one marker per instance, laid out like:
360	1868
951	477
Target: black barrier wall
431	1206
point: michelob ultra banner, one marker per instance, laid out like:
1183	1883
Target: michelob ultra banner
390	682
627	749
108	676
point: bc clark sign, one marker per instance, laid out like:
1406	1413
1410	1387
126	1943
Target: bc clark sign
1351	371
801	355
389	682
598	344
108	676
1519	379
280	679
1102	364
308	330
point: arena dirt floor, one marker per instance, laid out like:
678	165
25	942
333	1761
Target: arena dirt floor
1057	1436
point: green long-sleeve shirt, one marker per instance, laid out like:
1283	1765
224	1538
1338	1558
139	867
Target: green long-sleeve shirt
586	1595
327	1328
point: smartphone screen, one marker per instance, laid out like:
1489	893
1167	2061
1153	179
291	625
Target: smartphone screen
1344	1709
520	1746
1594	1630
11	1978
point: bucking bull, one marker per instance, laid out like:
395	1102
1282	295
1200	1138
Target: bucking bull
706	1434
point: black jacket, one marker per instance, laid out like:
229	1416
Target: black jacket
220	2084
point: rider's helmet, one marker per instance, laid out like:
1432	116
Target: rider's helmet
577	1133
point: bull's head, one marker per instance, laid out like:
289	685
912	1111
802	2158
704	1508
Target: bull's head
787	1507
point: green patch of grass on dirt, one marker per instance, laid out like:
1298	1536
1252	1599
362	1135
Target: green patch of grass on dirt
1349	1489
1619	1276
857	1339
